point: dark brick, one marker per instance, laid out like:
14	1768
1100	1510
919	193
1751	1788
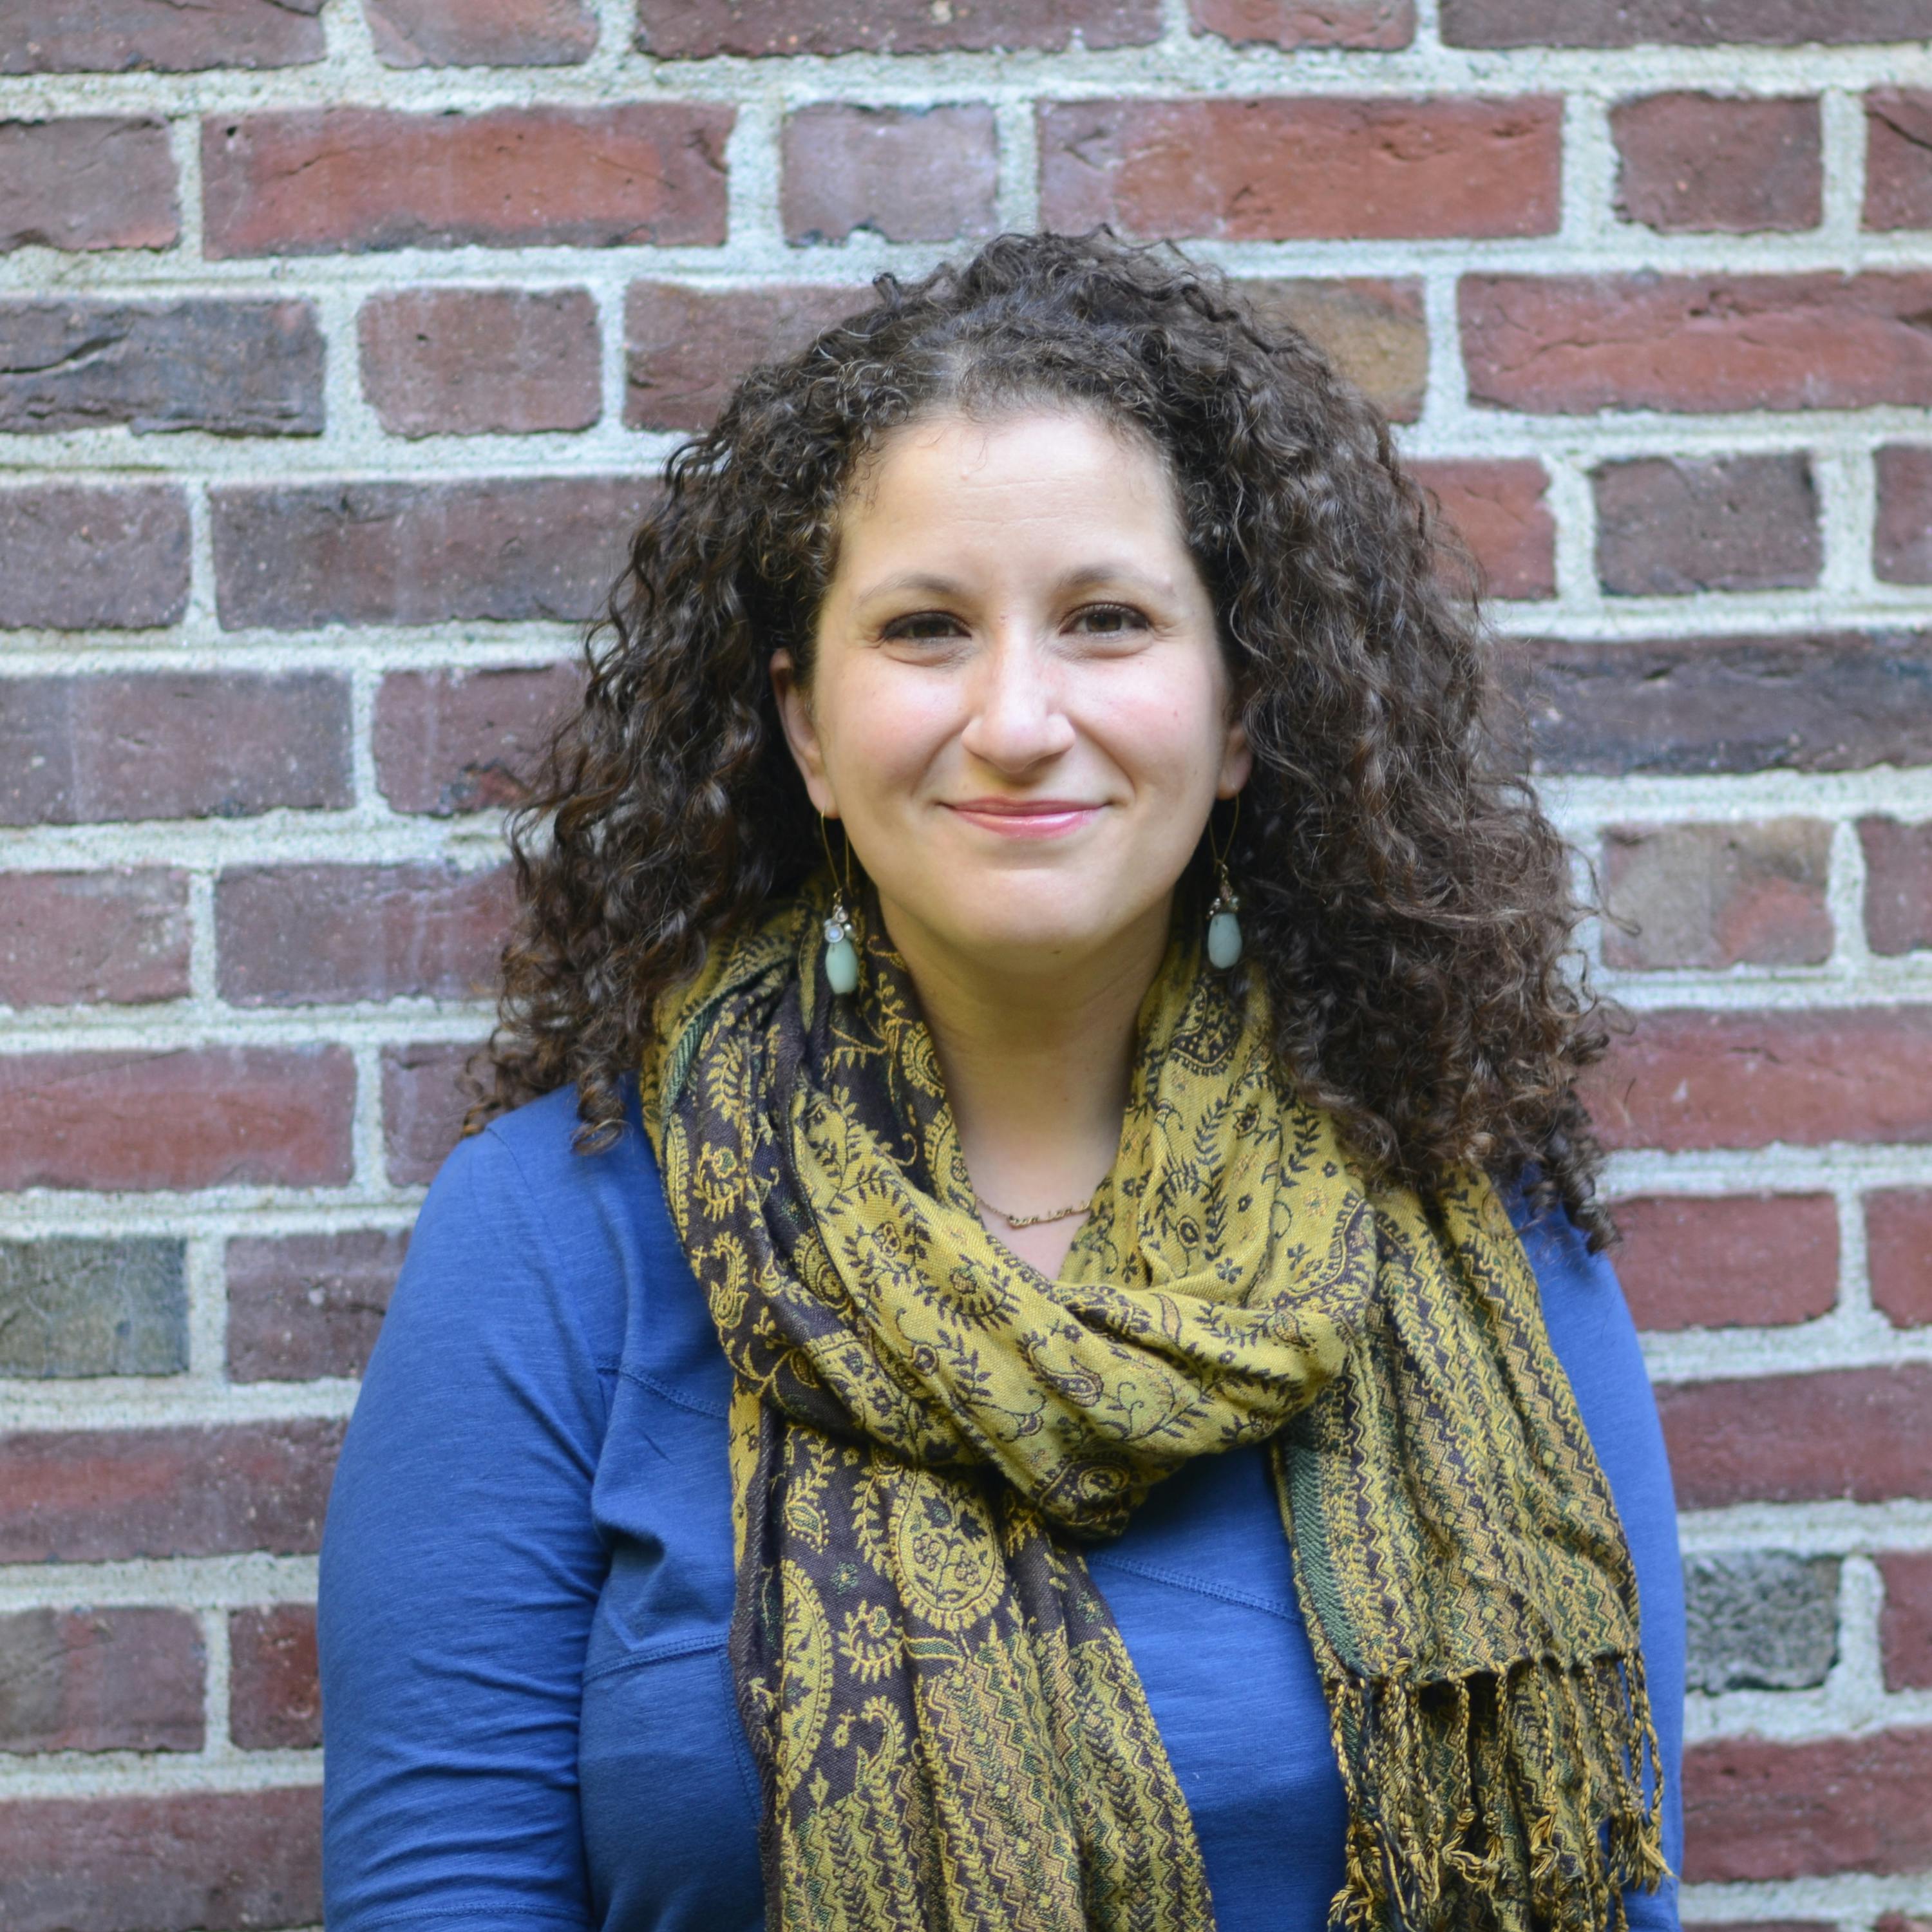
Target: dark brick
481	33
96	1680
73	557
91	182
119	935
236	368
171	745
455	741
1898	169
1856	1434
199	1116
1696	162
1717	895
1284	169
319	181
909	174
1905	1625
224	1862
78	1305
1746	1261
1898	884
1571	344
303	935
1373	331
464	362
1667	526
301	1306
1760	1620
1696	23
503	550
274	1702
1830	703
119	36
424	1102
1382	24
1497	508
1902	536
698	29
1898	1253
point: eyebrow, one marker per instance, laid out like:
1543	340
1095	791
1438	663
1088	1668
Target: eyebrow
931	584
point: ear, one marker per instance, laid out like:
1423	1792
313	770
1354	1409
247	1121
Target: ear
801	732
1238	761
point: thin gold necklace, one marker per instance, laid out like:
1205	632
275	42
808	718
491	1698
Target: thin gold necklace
1034	1220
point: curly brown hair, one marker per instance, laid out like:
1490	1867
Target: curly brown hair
1411	906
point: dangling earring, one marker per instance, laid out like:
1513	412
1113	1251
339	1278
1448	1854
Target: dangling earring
1224	925
841	956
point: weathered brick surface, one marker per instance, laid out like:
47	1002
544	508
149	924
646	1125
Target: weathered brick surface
84	1306
97	1680
1280	169
696	29
1717	896
1308	23
102	1496
274	1701
1569	344
270	1116
314	181
911	174
1902	534
236	368
1728	1261
112	36
1374	333
1898	1247
1670	527
1905	1623
302	935
1898	884
305	1306
481	33
1690	162
77	557
1858	1434
88	181
1696	23
1760	1620
455	741
462	361
507	550
220	1861
120	935
1497	508
423	1105
1898	169
168	745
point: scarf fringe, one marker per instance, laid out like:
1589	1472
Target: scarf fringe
1517	1802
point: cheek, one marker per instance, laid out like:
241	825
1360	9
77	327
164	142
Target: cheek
1164	726
882	723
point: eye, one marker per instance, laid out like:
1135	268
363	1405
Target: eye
918	626
1109	620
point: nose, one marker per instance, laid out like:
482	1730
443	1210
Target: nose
1018	718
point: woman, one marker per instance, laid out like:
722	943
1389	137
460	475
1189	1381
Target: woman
1023	1348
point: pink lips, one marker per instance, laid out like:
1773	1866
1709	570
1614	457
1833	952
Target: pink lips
1027	818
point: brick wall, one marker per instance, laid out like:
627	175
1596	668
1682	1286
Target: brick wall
337	340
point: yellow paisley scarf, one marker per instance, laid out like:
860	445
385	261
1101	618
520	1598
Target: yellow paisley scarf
925	1429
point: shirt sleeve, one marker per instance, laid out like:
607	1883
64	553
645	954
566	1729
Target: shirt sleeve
460	1567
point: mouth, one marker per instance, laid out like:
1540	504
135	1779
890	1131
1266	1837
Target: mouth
1027	817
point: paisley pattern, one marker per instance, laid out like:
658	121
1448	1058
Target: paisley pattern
924	1430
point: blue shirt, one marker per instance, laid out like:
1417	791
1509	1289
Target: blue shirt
527	1580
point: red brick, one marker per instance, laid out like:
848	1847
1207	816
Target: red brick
505	550
1902	536
70	939
73	557
1285	169
455	741
1718	895
1697	163
481	33
464	362
307	935
107	1494
423	1105
1898	884
1497	509
1373	330
95	1680
696	29
1898	169
171	745
1308	23
1692	1079
1905	1625
274	1702
1696	23
232	368
301	1306
199	1116
117	36
319	181
1743	1262
1754	1810
224	1862
91	181
1570	344
909	174
1898	1253
1855	1434
1670	527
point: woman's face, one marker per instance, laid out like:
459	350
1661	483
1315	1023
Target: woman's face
1018	704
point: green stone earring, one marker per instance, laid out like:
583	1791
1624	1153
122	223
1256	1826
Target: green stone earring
1224	925
841	956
